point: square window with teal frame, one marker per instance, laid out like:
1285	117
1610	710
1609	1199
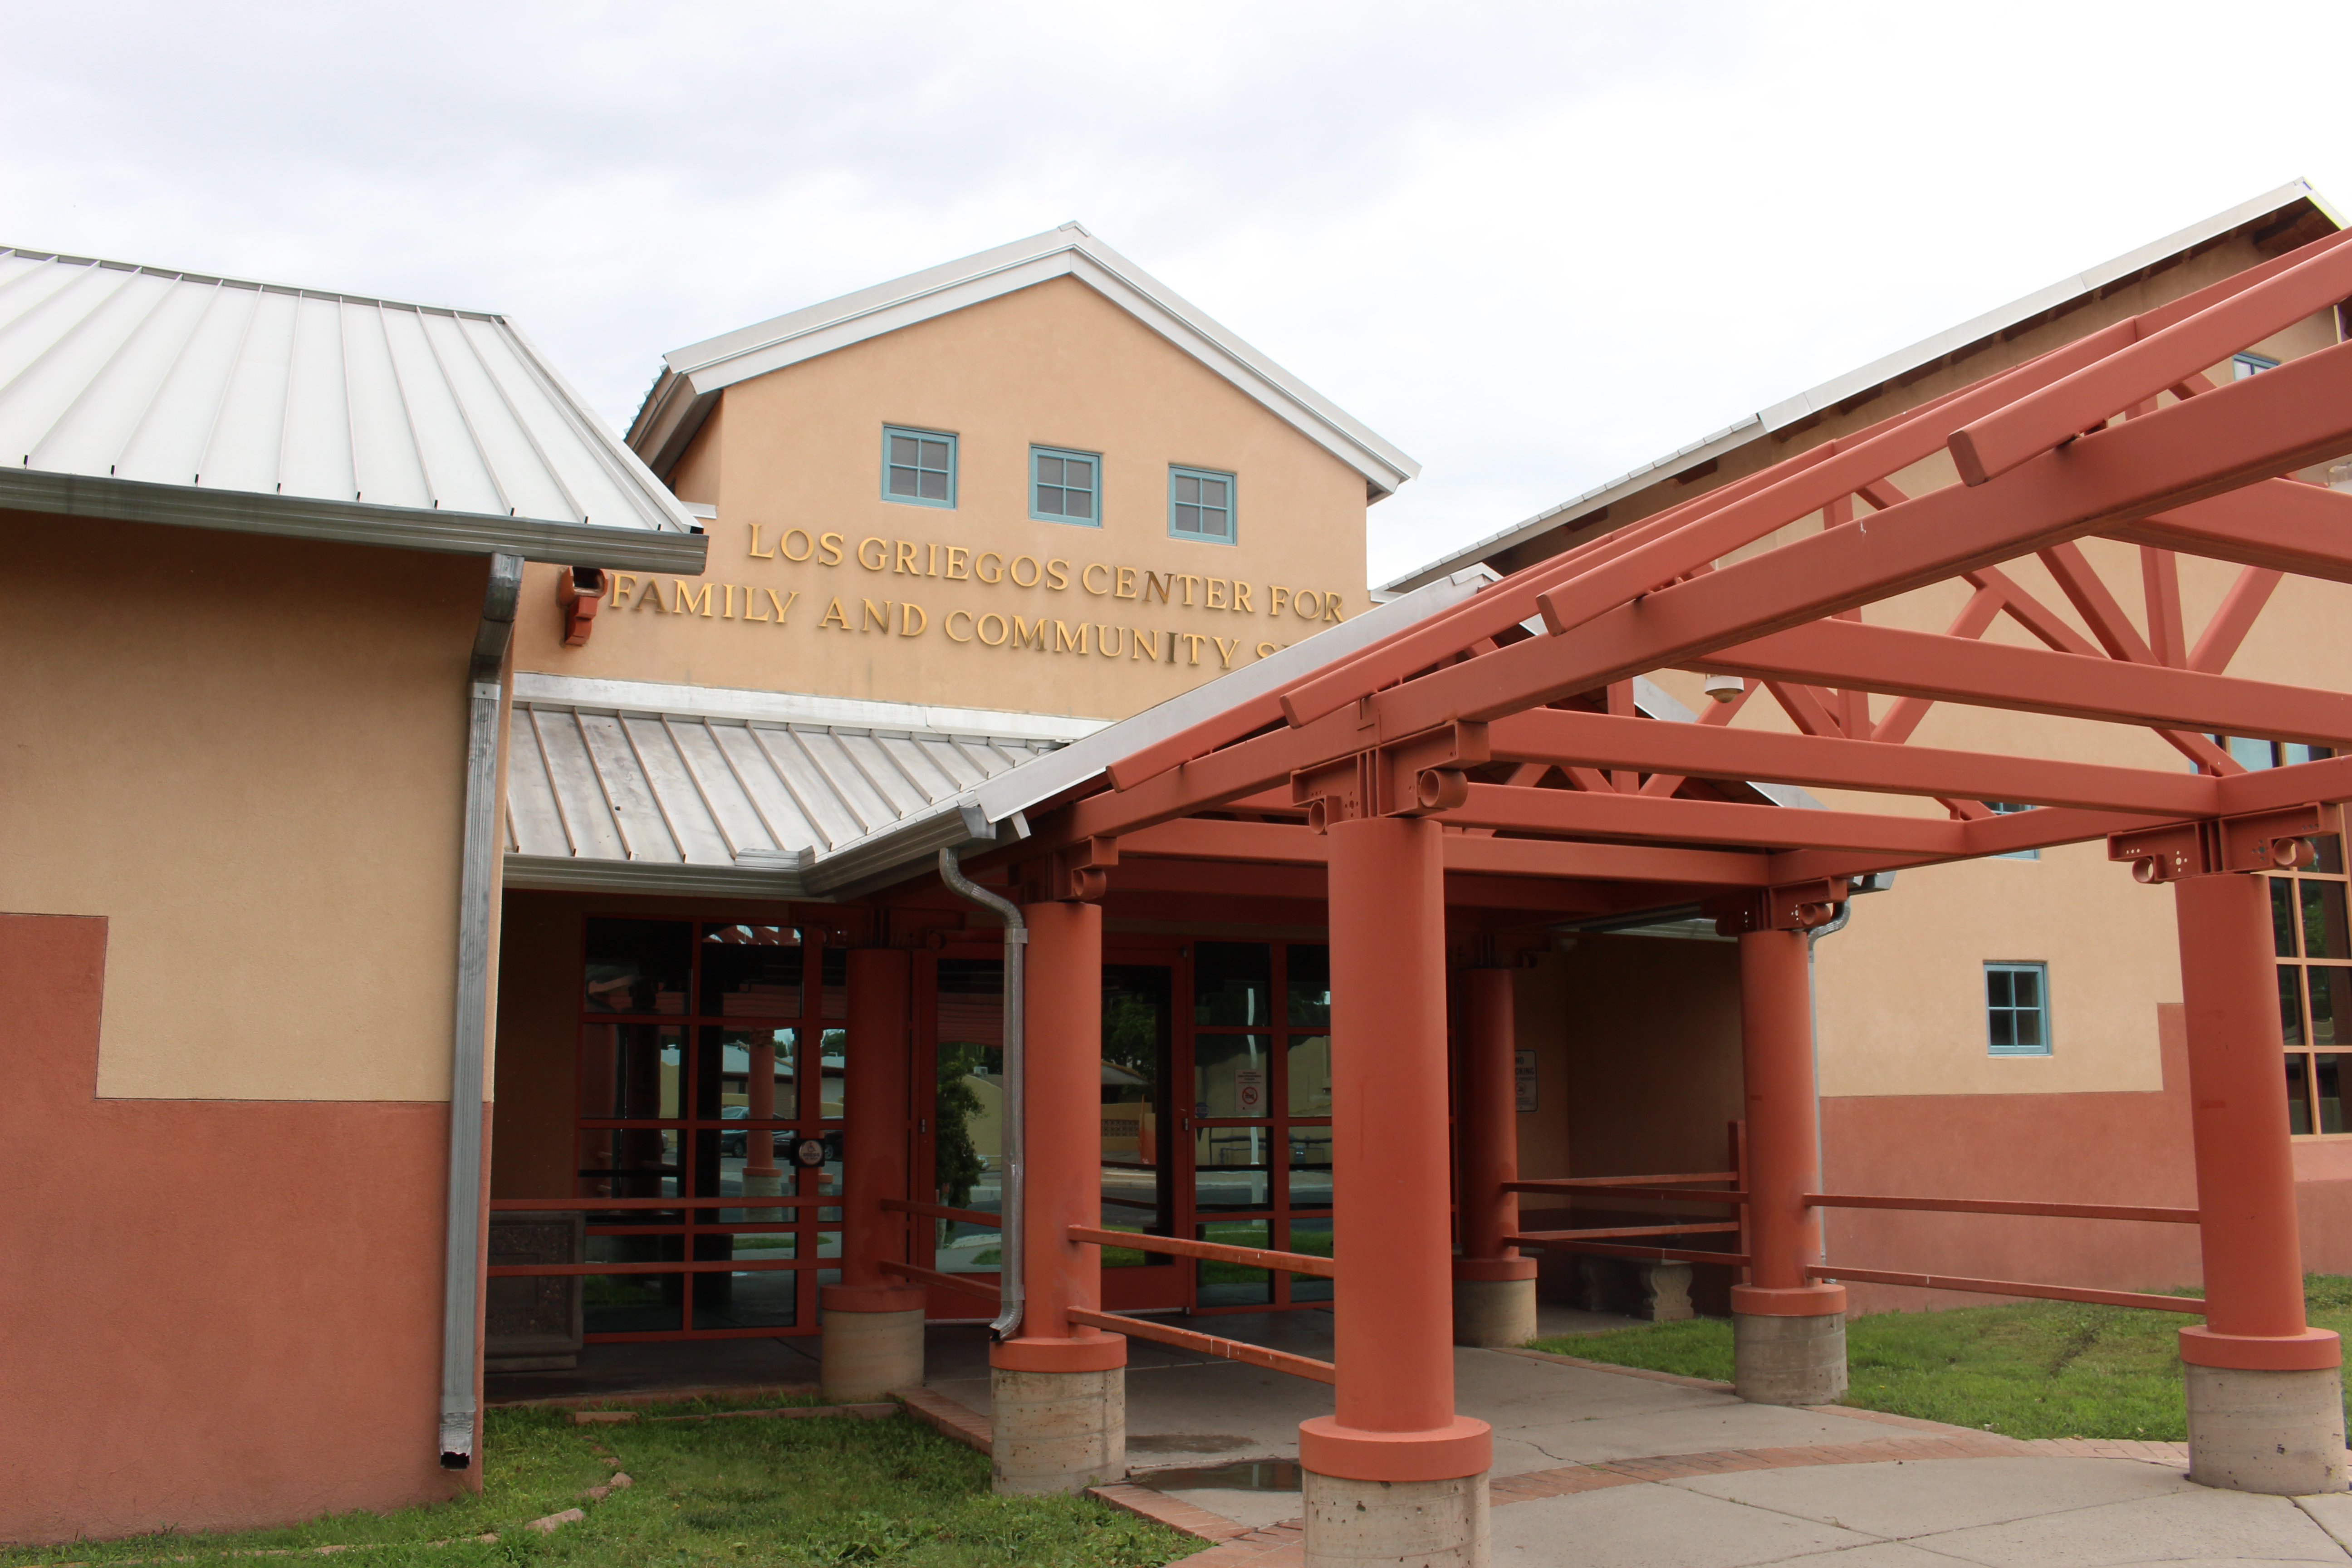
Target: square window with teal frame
2017	1009
1200	504
919	467
1066	486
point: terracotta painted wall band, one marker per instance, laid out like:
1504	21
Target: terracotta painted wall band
1463	1447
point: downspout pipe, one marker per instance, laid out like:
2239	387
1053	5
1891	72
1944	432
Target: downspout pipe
1007	1322
476	888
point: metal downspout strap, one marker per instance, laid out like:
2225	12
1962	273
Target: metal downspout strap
478	887
1007	1322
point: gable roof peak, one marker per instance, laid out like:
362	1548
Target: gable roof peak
693	378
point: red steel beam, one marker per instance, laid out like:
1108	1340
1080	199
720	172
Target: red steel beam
1987	446
963	1284
2255	429
2191	1304
1610	1231
2000	675
1615	1250
1201	839
1552	734
1214	1251
2282	524
1575	814
2233	619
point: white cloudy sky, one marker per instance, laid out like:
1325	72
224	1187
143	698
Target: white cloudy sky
1532	245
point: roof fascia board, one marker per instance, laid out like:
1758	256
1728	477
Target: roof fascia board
533	687
352	523
1830	393
678	401
563	874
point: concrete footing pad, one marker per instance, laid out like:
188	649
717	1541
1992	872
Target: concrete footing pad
1789	1360
1428	1524
1493	1312
1057	1431
866	1355
2281	1433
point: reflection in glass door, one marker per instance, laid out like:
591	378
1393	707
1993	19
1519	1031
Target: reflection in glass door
1139	1186
1261	1125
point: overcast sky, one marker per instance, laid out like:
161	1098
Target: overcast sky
1534	245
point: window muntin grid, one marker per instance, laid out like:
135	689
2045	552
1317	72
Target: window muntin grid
2312	936
1200	504
2017	1009
919	467
1066	486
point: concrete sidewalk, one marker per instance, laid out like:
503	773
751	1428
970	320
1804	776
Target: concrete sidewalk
1613	1468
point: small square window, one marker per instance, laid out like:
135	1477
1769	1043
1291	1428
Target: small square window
2017	1009
1065	486
2244	365
2010	808
919	467
1201	504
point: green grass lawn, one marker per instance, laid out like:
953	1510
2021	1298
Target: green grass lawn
2046	1369
813	1492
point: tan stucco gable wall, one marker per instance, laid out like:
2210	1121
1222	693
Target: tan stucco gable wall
1056	364
246	755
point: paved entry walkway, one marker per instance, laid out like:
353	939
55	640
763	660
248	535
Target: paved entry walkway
1599	1467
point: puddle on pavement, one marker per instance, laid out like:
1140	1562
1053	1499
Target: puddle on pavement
1243	1476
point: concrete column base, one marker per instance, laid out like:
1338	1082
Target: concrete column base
1058	1431
872	1343
1490	1313
1788	1361
1427	1524
2276	1432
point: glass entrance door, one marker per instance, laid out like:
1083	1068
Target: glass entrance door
1260	1075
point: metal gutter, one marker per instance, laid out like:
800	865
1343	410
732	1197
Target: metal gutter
352	523
1016	1111
478	891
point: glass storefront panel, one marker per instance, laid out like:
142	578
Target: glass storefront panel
1233	1168
630	1162
1310	1167
1232	1284
751	971
969	1107
1137	1190
632	1303
1232	1076
1230	981
1306	983
631	1072
763	1299
1312	1236
1309	1063
638	966
2298	1095
2327	1072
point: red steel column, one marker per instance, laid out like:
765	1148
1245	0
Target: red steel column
873	1323
2245	1169
1494	1286
1392	1343
1788	1338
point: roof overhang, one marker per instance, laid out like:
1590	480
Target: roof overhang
692	378
352	523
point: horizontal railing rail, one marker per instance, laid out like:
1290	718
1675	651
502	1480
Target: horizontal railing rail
752	1201
2191	1304
2003	1206
964	1283
1207	1345
1603	1233
679	1265
1629	1187
1215	1251
940	1211
1540	1239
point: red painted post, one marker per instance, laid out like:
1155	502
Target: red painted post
873	1324
1394	1474
1060	1387
1494	1286
1788	1332
2266	1404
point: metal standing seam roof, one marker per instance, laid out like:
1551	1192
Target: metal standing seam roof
692	379
130	392
1902	364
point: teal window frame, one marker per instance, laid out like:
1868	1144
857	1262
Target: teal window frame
915	433
1180	473
2243	365
1064	454
2012	1012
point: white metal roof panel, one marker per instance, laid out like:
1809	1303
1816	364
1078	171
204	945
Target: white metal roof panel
145	393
